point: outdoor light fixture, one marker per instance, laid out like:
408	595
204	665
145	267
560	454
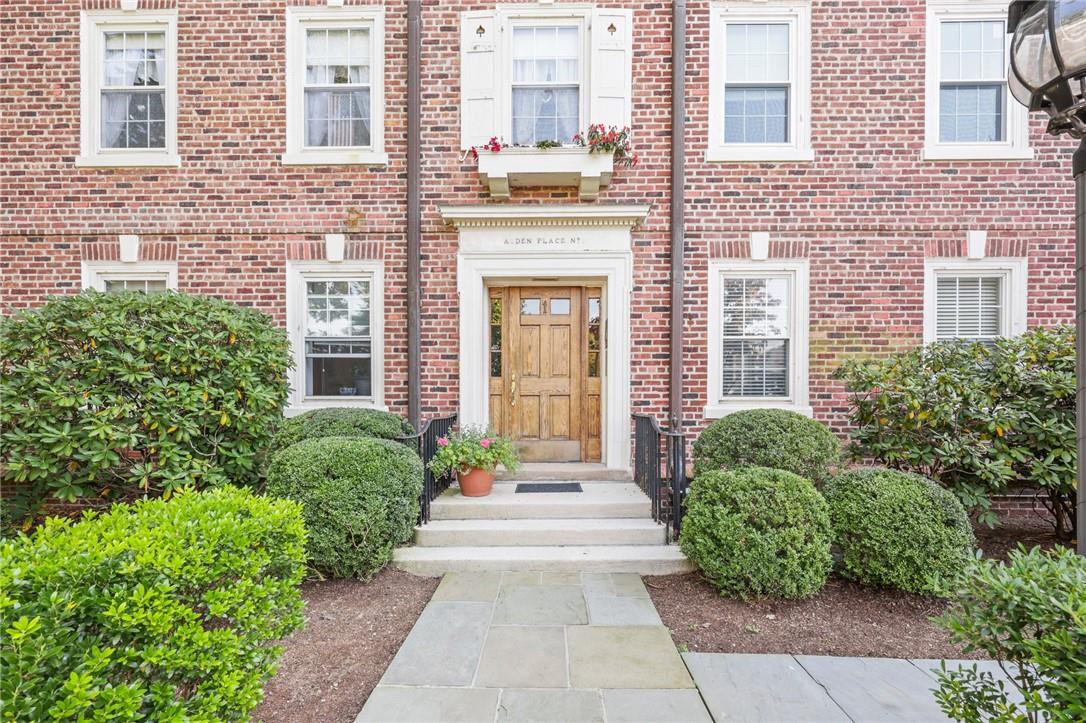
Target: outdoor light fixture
1048	72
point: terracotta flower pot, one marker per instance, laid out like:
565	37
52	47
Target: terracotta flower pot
475	482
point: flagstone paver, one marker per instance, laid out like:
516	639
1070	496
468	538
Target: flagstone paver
469	587
659	706
614	610
443	647
549	706
388	704
541	605
624	657
884	689
524	657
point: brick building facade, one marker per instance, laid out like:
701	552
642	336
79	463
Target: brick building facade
899	196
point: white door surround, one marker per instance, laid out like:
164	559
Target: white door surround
502	243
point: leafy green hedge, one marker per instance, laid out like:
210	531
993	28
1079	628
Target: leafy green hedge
360	498
774	438
163	610
898	529
108	397
974	417
757	531
340	422
1029	614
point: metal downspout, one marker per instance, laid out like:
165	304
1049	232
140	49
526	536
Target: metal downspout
414	212
678	228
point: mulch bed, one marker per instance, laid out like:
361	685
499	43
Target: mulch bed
843	619
353	630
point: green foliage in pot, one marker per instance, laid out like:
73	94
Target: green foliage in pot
360	499
473	448
159	611
340	422
1029	615
974	417
898	529
775	438
756	531
108	397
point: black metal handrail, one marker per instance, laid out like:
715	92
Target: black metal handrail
425	443
660	471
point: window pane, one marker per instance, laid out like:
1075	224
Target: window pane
755	320
342	376
133	119
968	307
756	53
755	115
338	309
529	307
971	113
972	50
559	307
546	84
337	118
545	114
147	286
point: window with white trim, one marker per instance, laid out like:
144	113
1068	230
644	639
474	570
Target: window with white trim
335	73
115	276
757	335
969	110
334	315
546	83
532	73
129	88
759	74
974	300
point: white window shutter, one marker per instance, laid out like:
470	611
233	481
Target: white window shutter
611	82
479	112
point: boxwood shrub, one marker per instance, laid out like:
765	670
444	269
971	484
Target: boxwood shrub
162	610
107	397
360	498
1030	615
340	422
774	438
756	531
898	529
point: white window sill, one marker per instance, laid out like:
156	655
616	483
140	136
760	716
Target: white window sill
129	160
308	405
723	409
564	166
336	157
976	153
759	154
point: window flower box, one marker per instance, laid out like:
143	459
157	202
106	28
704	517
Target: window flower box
513	167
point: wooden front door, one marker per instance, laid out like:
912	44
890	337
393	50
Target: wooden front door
545	362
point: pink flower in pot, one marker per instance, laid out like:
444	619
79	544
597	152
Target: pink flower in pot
485	443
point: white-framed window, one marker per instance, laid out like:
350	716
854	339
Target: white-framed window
128	88
335	85
116	276
974	299
546	80
531	73
758	336
969	112
335	317
760	82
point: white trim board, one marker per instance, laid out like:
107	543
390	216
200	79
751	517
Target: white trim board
603	253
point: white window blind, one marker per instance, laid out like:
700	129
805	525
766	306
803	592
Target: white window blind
969	307
756	336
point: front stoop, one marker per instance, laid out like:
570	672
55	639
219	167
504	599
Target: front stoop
608	527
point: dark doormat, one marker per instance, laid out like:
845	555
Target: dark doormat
549	487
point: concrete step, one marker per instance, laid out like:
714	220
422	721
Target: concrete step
640	559
491	533
603	499
565	471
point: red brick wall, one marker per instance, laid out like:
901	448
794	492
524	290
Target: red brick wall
865	212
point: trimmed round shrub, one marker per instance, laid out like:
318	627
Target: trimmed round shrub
165	610
898	529
360	499
339	422
774	438
756	531
107	397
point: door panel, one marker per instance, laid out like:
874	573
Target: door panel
541	393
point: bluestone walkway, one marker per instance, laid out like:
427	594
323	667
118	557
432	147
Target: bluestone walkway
572	647
566	647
